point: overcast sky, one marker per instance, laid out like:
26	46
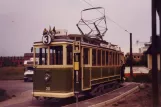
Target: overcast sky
22	21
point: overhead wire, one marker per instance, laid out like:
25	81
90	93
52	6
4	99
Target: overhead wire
108	17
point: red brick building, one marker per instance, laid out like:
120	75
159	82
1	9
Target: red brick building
11	60
17	60
27	56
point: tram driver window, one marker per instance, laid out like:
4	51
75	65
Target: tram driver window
42	55
69	55
56	55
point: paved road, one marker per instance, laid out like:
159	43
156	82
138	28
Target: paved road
22	91
23	98
15	87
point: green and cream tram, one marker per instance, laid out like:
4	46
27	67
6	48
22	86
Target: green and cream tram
74	63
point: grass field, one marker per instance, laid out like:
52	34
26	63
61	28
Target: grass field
11	73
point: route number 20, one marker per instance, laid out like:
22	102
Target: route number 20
47	88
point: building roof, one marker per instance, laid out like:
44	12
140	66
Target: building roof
139	54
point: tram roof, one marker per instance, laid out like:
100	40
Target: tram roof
66	39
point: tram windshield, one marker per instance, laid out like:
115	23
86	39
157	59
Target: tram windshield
52	55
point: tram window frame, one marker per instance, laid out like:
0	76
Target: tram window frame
43	59
86	55
58	55
110	62
119	59
116	58
113	58
107	58
69	54
94	57
103	57
98	57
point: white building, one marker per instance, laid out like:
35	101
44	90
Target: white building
144	48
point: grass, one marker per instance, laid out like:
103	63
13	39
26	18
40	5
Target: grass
11	73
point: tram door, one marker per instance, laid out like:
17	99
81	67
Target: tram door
77	66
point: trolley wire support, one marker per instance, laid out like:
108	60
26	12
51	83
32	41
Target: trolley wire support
96	27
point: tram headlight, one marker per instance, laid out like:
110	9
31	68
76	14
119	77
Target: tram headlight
47	77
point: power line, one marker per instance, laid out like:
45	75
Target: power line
107	17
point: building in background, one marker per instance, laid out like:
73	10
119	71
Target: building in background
11	61
145	47
136	56
16	60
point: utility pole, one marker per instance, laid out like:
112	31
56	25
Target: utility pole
158	6
131	57
154	58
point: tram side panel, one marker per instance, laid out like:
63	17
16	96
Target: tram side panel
104	74
86	78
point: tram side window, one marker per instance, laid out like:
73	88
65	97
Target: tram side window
86	55
42	55
56	55
110	59
99	57
69	55
93	57
118	59
103	57
113	58
106	57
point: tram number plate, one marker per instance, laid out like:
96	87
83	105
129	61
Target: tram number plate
47	88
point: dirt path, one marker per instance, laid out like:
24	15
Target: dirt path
142	98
